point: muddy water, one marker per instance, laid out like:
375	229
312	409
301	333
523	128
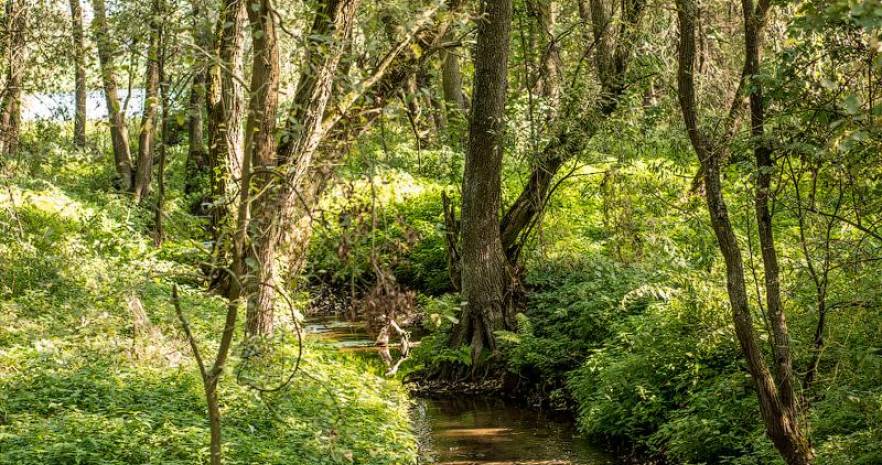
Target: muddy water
473	431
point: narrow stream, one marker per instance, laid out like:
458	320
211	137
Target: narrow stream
477	430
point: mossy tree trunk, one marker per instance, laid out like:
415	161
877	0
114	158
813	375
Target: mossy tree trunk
225	102
281	179
775	388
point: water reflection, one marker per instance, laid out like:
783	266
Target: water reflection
489	431
475	430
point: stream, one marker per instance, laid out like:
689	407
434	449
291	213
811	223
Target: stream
475	430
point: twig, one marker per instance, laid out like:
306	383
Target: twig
186	325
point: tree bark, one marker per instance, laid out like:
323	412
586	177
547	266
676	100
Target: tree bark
16	55
158	214
147	137
486	277
76	13
777	407
451	83
119	132
260	153
225	107
283	188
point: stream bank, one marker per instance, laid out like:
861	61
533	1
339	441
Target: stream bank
472	430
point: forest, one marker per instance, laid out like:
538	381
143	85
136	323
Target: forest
461	232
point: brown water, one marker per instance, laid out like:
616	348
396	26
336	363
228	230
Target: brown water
478	430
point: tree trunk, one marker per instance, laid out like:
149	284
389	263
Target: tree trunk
79	135
225	106
119	132
16	55
260	153
777	405
486	277
197	162
786	433
147	138
451	83
455	105
548	82
158	223
271	212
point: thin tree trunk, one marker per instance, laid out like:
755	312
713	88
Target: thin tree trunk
16	55
147	138
777	405
159	226
455	105
76	13
548	83
119	132
486	277
197	154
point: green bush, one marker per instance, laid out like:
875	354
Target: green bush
396	223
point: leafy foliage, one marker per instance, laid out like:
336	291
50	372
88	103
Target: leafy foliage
81	381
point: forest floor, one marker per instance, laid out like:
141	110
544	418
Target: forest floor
93	364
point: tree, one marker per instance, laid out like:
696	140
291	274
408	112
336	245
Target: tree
281	181
119	132
776	394
76	13
614	44
260	156
197	162
150	115
451	74
486	275
16	56
225	106
548	79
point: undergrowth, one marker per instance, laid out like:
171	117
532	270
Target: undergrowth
81	382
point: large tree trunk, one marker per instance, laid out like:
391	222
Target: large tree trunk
225	107
119	132
271	211
76	13
10	103
147	138
486	277
776	400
